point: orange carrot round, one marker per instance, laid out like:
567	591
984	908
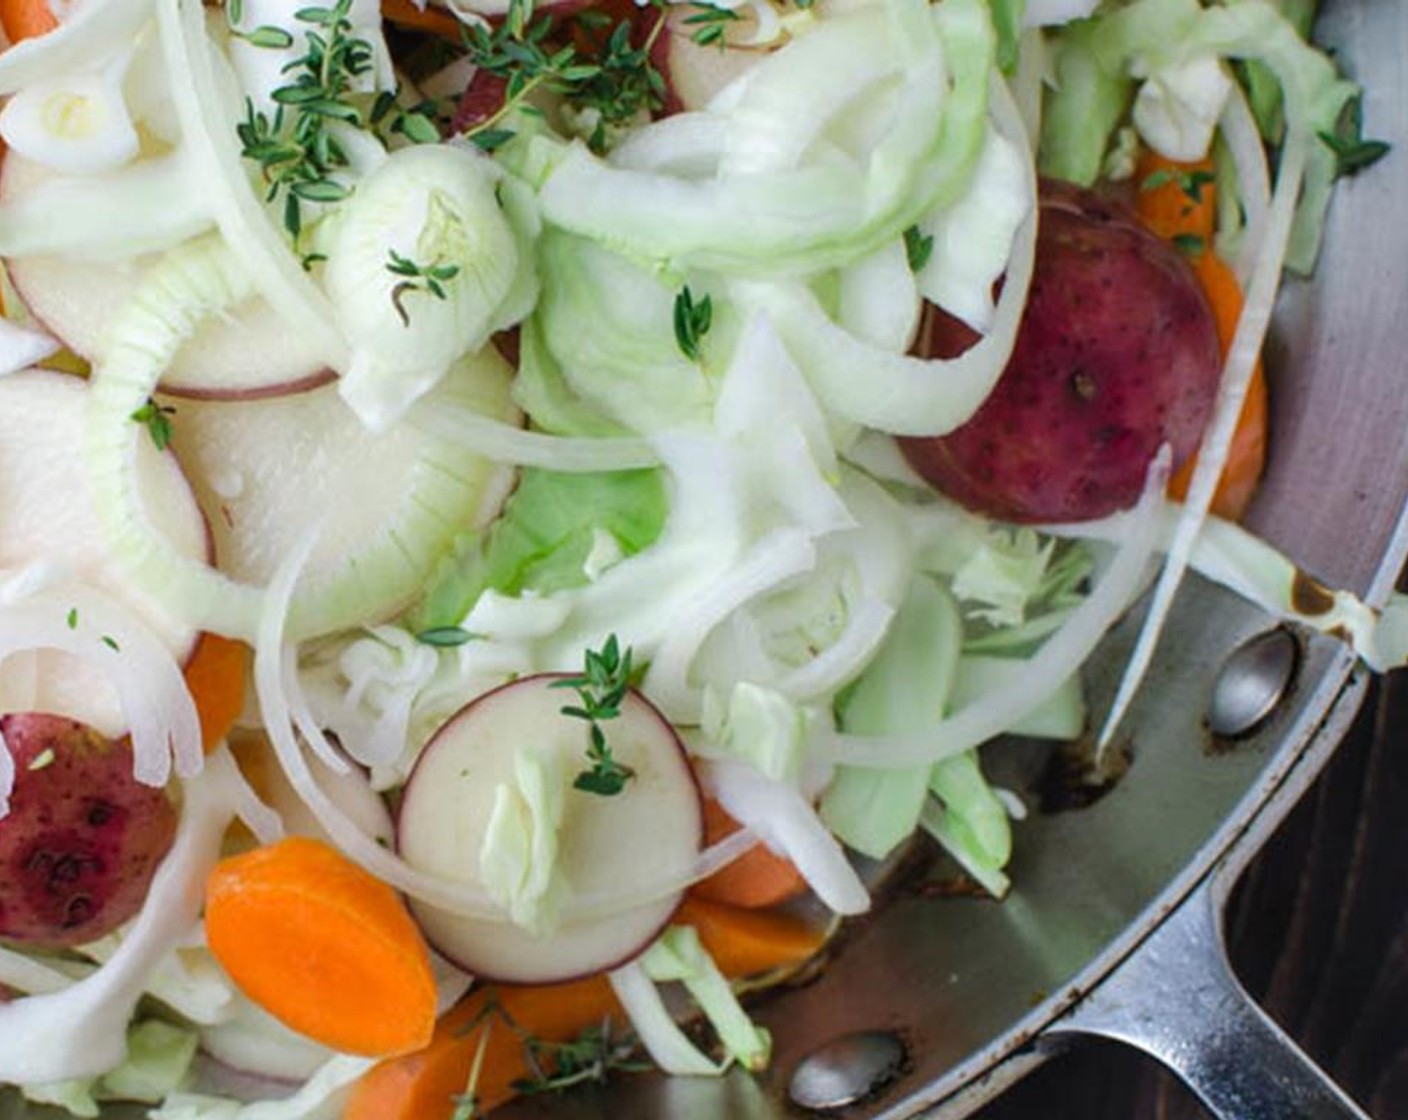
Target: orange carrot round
215	676
1176	199
323	946
425	1085
1247	456
24	19
759	878
747	942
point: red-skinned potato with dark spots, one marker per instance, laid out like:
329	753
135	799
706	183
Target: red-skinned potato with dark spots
1116	355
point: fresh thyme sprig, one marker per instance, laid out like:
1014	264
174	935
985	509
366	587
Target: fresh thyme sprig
552	1067
601	688
612	78
294	148
709	23
156	418
416	124
590	1057
517	52
692	322
626	84
429	278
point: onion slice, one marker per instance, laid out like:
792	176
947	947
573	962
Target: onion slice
1217	442
779	814
86	624
505	443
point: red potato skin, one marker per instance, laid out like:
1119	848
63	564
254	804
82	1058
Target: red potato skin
1116	355
83	838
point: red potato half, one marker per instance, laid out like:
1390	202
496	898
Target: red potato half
695	73
83	838
608	845
1117	354
249	352
46	518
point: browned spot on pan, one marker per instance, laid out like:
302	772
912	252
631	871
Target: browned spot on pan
1310	597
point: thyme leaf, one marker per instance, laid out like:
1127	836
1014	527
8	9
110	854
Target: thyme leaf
918	248
429	278
692	321
156	418
601	688
1352	152
709	23
296	153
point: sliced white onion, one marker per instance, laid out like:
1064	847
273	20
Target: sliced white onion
841	662
262	821
505	443
1248	152
1217	441
778	557
1049	668
77	124
898	393
689	145
97	31
669	1047
81	1031
155	700
879	300
778	814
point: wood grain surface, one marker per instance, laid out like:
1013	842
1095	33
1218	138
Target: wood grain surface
1318	933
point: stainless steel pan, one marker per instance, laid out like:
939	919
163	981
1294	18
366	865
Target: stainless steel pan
1113	926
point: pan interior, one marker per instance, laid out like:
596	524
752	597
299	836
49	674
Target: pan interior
959	978
965	980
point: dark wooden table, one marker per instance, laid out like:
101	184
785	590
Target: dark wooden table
1318	933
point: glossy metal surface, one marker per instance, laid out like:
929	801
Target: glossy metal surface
1252	682
970	985
1177	1000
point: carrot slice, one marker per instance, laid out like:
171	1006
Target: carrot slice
759	878
24	19
1176	199
215	676
323	946
747	942
426	1085
1247	457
